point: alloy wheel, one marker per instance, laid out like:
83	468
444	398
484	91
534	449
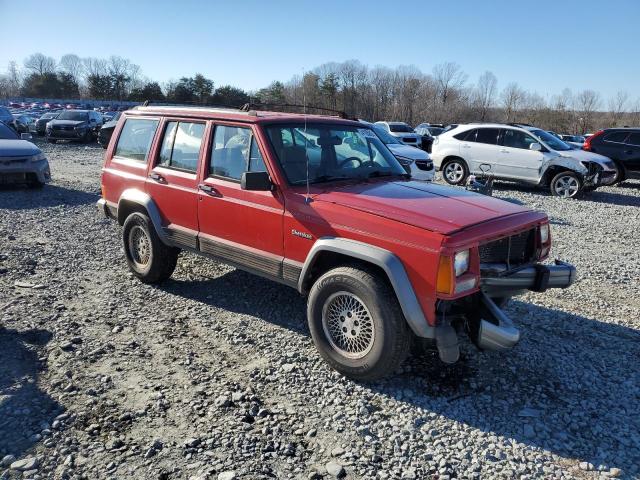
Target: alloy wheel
348	325
566	186
454	172
139	246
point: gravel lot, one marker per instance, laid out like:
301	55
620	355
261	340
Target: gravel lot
214	375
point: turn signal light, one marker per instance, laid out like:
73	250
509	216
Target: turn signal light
445	279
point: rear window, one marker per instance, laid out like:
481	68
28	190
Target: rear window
617	137
634	139
135	139
181	145
400	128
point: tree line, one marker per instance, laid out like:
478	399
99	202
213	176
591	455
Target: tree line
445	95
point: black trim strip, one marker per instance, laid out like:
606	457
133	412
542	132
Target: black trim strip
241	257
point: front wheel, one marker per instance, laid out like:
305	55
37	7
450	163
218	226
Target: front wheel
566	184
455	172
148	258
356	323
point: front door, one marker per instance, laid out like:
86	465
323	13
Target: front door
173	180
517	161
241	227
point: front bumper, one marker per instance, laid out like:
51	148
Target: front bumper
66	134
21	172
498	281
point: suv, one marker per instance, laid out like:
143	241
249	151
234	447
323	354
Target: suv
402	132
519	153
74	125
622	145
383	259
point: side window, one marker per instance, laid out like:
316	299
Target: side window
135	139
517	139
617	137
468	136
634	139
488	135
181	145
234	152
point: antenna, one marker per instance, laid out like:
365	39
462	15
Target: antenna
306	156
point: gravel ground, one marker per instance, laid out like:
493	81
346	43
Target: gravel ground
214	375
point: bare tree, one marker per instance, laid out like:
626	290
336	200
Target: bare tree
617	106
40	63
14	78
448	77
72	64
485	93
94	66
512	98
587	103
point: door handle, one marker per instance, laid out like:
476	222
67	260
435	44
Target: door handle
504	150
208	189
466	146
157	177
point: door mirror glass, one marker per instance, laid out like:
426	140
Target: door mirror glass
258	181
536	147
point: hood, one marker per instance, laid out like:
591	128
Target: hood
424	205
405	134
584	156
407	151
109	124
73	123
17	148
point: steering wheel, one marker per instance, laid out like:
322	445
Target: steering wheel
350	159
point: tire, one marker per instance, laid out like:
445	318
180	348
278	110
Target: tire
87	137
148	258
51	140
354	297
620	176
566	184
455	171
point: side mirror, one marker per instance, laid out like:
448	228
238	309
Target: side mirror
258	181
26	136
536	147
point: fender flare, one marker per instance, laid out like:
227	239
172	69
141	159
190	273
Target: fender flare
133	195
391	265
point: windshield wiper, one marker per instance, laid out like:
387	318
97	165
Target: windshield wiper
380	173
329	178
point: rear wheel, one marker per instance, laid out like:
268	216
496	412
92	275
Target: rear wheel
356	323
566	184
148	258
455	171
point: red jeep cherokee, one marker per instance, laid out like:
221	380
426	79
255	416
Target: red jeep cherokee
320	204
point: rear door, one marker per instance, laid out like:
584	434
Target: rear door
173	179
632	154
239	226
484	150
516	160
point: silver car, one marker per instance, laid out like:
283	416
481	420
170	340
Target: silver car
20	160
402	132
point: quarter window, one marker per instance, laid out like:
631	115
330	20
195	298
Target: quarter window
234	152
468	136
517	139
181	145
136	138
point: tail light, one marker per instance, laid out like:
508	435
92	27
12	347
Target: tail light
587	143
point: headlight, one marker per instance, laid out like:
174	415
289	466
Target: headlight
38	157
404	161
544	233
461	262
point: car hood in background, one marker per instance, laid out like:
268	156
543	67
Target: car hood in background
425	205
407	151
406	135
110	124
66	123
17	148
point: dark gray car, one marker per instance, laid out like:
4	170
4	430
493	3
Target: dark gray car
74	125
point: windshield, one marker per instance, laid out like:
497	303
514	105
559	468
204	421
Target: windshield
47	116
76	116
550	140
6	133
331	152
400	128
386	138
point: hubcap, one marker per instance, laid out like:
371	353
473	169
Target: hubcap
348	325
139	246
566	186
454	172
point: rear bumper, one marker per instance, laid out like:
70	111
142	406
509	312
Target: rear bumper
497	281
106	210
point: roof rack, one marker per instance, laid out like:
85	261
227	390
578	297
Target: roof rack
261	106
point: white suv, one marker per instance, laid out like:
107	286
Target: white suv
402	132
519	153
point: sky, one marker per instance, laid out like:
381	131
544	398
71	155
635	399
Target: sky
544	46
